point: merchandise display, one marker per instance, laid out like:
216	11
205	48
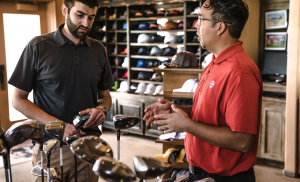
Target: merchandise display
124	52
141	63
150	89
183	60
156	39
189	86
123	86
156	51
125	75
144	76
143	38
196	11
144	26
158	89
143	51
169	51
124	27
156	77
194	24
126	62
169	25
141	88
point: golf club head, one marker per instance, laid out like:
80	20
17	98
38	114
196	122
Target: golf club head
38	136
113	171
122	122
71	139
56	128
3	150
20	132
148	167
49	145
37	171
90	148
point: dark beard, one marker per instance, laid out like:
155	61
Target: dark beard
74	29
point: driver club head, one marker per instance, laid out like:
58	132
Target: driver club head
38	136
49	145
71	139
3	150
122	122
56	128
113	171
20	132
148	167
90	148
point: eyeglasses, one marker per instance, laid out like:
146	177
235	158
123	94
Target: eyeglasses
203	19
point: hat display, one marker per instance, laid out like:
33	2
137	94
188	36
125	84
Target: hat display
180	26
104	38
124	27
143	51
144	76
172	13
132	88
195	38
158	89
125	51
143	38
189	86
169	25
198	52
143	26
103	28
141	64
125	75
194	24
183	60
160	13
124	15
170	39
156	39
140	14
153	26
126	62
151	12
169	51
123	86
112	17
156	77
113	27
141	88
155	51
150	89
196	11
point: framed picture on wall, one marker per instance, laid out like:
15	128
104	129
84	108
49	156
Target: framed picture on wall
275	41
276	19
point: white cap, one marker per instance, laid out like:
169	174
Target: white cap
189	86
179	49
196	11
143	38
158	89
156	77
150	89
170	38
103	28
125	63
207	60
141	88
123	86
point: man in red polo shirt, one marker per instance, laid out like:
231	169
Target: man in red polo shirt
223	124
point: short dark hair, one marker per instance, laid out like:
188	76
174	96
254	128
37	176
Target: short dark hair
89	3
235	12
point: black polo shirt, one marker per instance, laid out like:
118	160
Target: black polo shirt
65	78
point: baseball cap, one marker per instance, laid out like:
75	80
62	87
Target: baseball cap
104	38
143	38
126	62
179	49
180	26
124	52
170	39
150	89
156	39
169	51
156	77
113	27
123	86
141	64
144	76
158	89
183	60
169	25
195	38
198	52
151	12
143	51
141	88
196	11
132	88
160	13
189	86
155	51
115	86
140	14
103	28
172	13
112	17
194	24
125	75
124	27
143	26
153	26
124	15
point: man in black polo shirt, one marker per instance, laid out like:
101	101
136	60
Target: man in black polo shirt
69	74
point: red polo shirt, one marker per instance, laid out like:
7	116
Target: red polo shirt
229	93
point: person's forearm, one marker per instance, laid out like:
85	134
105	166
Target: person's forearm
187	109
32	111
105	100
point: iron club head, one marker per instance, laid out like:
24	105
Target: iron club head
113	171
49	145
147	167
122	122
56	128
90	148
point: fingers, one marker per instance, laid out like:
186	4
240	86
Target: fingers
97	117
70	130
87	111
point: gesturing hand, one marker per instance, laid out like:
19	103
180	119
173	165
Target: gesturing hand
97	117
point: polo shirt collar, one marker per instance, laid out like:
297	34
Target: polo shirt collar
228	52
61	39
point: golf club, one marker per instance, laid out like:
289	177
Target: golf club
112	170
80	120
70	140
56	128
16	134
37	171
90	148
3	152
122	122
148	167
48	146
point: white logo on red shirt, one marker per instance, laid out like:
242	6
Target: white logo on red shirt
211	84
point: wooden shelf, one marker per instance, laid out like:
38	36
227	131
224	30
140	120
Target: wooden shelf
110	31
193	44
191	30
151	57
146	81
157	17
121	31
121	19
187	95
121	43
142	69
154	44
192	16
179	70
111	43
119	67
274	87
155	31
117	55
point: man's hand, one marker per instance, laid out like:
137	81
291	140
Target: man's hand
70	130
177	121
97	117
163	106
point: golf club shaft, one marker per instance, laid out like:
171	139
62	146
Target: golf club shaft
7	170
42	162
48	167
75	158
118	138
9	166
61	162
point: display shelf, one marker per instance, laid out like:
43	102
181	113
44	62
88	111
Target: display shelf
192	16
111	43
155	31
110	31
154	44
121	43
151	57
146	81
193	44
274	87
121	19
179	70
122	79
142	69
156	18
191	30
119	67
186	95
121	31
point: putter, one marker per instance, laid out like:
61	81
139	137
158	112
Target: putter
56	128
37	171
148	167
113	171
122	122
90	148
70	140
48	146
16	134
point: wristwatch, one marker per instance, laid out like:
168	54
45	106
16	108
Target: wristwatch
104	109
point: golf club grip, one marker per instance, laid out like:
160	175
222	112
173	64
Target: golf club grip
118	139
5	162
42	165
75	158
61	163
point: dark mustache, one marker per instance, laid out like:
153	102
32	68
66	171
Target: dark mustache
81	26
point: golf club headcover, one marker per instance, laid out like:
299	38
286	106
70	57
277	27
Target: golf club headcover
181	156
169	156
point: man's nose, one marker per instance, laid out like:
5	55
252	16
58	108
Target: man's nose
85	22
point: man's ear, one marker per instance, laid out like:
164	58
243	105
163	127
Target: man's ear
64	9
222	28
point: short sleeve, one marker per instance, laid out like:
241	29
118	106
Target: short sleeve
24	75
243	106
106	80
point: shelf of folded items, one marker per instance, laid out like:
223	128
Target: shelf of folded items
193	44
146	81
191	30
154	44
179	70
151	57
157	17
155	31
187	95
142	69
